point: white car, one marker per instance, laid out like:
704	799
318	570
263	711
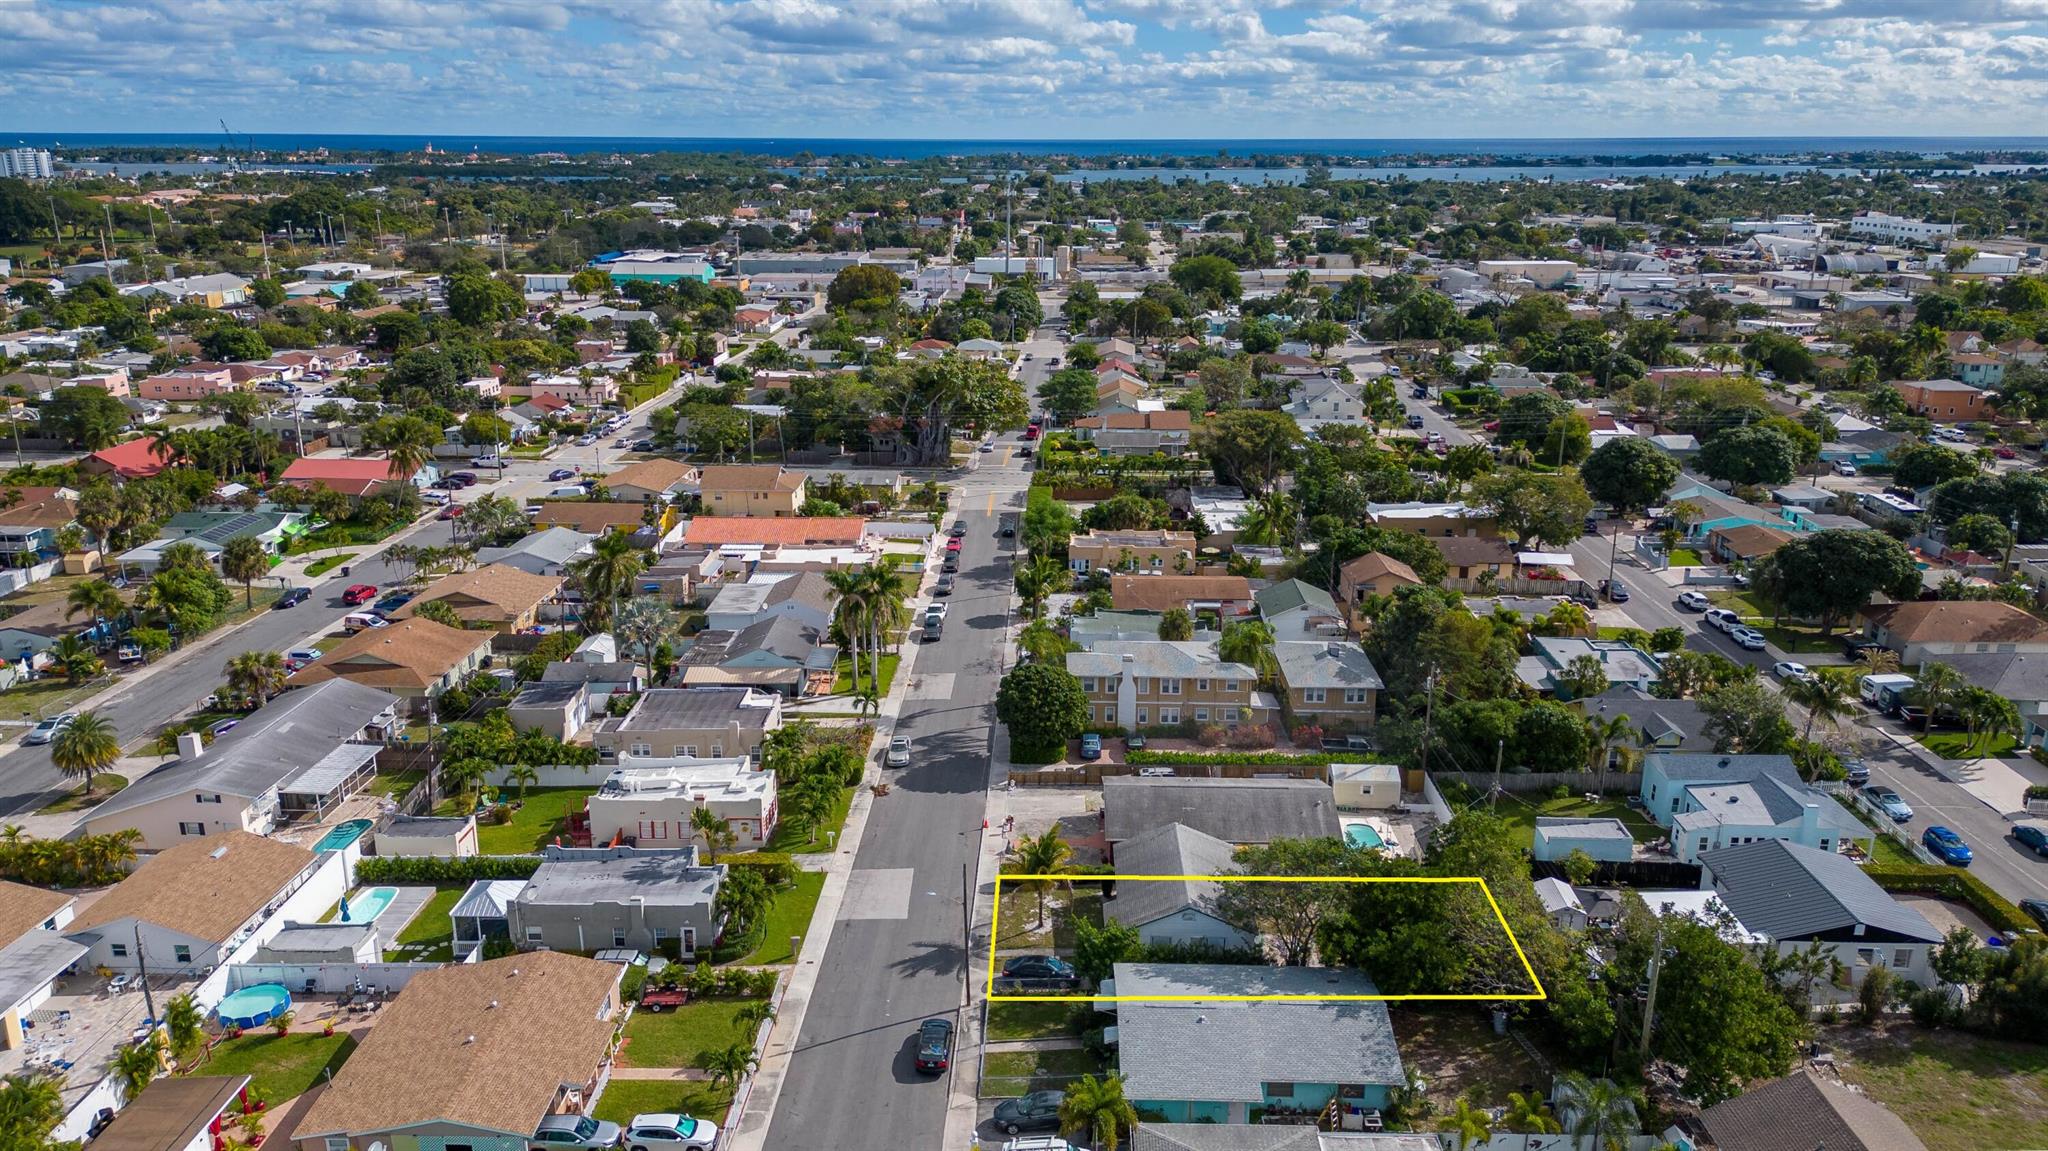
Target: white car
670	1132
1721	619
899	752
1844	468
1750	638
1791	671
1693	600
47	730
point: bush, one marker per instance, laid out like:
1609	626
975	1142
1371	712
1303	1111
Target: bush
1196	758
775	867
434	869
1948	883
1249	735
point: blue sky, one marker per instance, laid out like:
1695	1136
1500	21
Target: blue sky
1010	69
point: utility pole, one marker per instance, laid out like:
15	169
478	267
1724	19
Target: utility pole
1428	717
56	233
1500	751
1650	1000
263	238
2012	537
107	243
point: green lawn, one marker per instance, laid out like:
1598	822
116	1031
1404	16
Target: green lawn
790	841
1686	558
431	924
281	1067
1032	1020
676	1038
625	1098
543	816
1962	745
1018	924
1958	1091
395	784
1007	1073
1791	638
1885	851
791	915
842	672
327	564
1521	812
104	785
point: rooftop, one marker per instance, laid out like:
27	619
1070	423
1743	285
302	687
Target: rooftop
1325	664
412	654
1957	621
586	877
1163	592
1806	1109
1172	850
494	593
674	709
724	531
1790	892
205	889
171	1113
1236	811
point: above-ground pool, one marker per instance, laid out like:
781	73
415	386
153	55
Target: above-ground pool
343	834
366	906
254	1006
1362	835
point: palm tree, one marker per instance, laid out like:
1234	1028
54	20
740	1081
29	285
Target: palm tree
1097	1107
1250	643
887	613
606	574
183	1020
1270	521
1985	711
1043	854
86	747
1603	735
31	1106
645	623
98	597
1468	1124
523	774
245	560
729	1064
867	699
1879	661
1037	580
282	1021
1827	695
1938	685
1598	1108
138	1063
1529	1115
711	828
850	591
1565	618
257	675
76	657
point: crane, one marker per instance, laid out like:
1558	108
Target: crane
229	133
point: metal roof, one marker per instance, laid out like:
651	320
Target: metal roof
1789	892
1233	810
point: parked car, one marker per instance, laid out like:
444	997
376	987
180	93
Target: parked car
1721	619
1748	637
1889	802
1693	601
2032	836
1854	646
1947	846
304	654
2005	453
294	596
392	601
1615	590
451	512
899	752
953	546
1791	671
448	484
560	474
988	446
945	584
958	529
934	1044
1009	531
579	1131
485	462
666	1131
2036	908
1844	468
1858	772
359	594
585	441
1414	421
643	445
1038	967
952	563
223	727
356	621
1091	746
47	730
1038	1111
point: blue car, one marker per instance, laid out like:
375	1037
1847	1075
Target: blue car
1091	746
1947	846
2033	837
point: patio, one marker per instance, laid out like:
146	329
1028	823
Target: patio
77	1032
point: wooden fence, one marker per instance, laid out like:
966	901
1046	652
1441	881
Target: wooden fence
1092	774
1578	782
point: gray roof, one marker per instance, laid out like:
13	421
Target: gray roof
1226	1051
1568	827
675	708
1763	800
1287	595
328	773
1232	810
547	693
576	671
2020	678
425	825
542	553
1656	718
297	728
1271	1137
1171	850
780	636
487	899
1325	664
33	960
1185	659
320	936
1805	1110
571	877
1689	767
1790	893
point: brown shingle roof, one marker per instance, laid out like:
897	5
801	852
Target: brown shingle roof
1162	592
1957	621
1752	540
590	518
717	531
204	889
658	475
1803	1110
486	1045
751	478
24	908
1373	565
493	593
410	655
1465	551
171	1113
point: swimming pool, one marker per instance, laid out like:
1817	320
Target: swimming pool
341	835
1362	835
367	905
254	1006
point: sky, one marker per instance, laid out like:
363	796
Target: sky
1029	69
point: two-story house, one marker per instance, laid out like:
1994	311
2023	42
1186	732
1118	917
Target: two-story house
1138	433
1297	610
1710	801
1147	551
1435	520
698	722
1935	628
1374	573
1329	683
752	490
1139	684
1942	400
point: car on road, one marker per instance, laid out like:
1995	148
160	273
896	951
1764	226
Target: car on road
945	584
1750	638
988	446
1091	746
1414	421
485	462
667	1131
1792	671
1038	1111
1947	846
1855	771
2035	908
360	593
560	474
585	441
223	727
958	529
451	512
643	445
1419	391
2032	836
2005	453
1889	802
1009	531
899	752
580	1132
1844	468
934	1044
1720	619
47	730
952	563
621	442
1693	601
1615	590
292	596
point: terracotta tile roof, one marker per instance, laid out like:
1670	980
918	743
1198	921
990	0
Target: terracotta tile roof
411	655
717	531
1957	621
493	593
1161	592
751	478
486	1045
590	518
659	475
205	888
24	908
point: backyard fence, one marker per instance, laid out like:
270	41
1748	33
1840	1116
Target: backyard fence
553	775
1089	775
1522	783
1509	585
1647	873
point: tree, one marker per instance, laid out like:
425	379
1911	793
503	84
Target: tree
1628	474
1043	707
1322	335
1249	448
1829	694
245	560
477	298
1979	533
1041	855
523	776
1097	1108
481	429
1832	573
1531	506
1289	914
407	441
266	293
1959	958
1048	523
1600	1109
1039	579
1749	455
257	675
77	658
712	831
1583	678
184	1022
729	1064
439	611
85	747
1201	276
1529	1115
606	575
1985	712
870	286
1745	716
233	343
97	598
1249	642
138	1063
86	418
1526	418
1926	465
1069	393
1176	624
646	623
1467	1124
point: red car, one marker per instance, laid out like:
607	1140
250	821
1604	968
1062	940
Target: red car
361	593
451	512
953	545
2005	453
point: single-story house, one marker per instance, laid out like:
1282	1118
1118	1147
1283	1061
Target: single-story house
657	900
352	477
1229	596
33	952
1236	811
177	1113
591	518
1465	557
1623	662
1747	542
1365	786
415	660
1929	628
660	479
1797	896
317	943
778	654
190	906
547	552
442	835
1606	840
650	803
805	597
495	597
1374	573
711	722
1806	1109
1297	610
1178	910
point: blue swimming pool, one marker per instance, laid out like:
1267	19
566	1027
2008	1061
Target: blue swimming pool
1362	835
343	834
254	1006
366	906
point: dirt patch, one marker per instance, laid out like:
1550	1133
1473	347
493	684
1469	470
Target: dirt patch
1956	1090
1457	1054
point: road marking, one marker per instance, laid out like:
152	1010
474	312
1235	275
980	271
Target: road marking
991	509
878	893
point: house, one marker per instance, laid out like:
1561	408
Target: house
660	901
1150	551
713	722
415	660
559	709
1797	896
1299	1054
1435	520
752	490
660	479
593	518
1471	557
359	478
1606	840
1365	786
1713	801
1138	433
2015	676
473	1055
1179	910
792	531
1329	683
132	460
299	754
274	528
494	597
318	943
1297	610
1659	725
547	552
190	906
1374	573
1923	629
1237	811
591	391
1554	655
1321	400
178	1113
33	953
805	597
1561	904
32	521
1746	542
34	630
1806	1109
192	382
1227	596
602	678
651	802
1140	684
777	653
1946	400
449	837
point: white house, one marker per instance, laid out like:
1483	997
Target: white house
33	952
650	803
1797	896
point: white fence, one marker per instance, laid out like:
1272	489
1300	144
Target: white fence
14	579
1433	800
554	775
326	978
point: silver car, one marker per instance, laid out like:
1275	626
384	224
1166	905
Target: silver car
47	730
899	752
574	1131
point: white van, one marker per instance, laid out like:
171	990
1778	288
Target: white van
567	492
1880	691
362	621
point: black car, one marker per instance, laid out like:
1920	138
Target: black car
1855	646
1039	1110
958	530
1039	967
2038	908
952	563
1009	531
643	445
449	485
295	595
934	1044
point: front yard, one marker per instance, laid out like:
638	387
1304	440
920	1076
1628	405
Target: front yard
1789	637
842	672
790	915
536	823
1008	1073
281	1067
625	1098
1963	745
1957	1091
678	1038
786	838
1019	1020
1018	927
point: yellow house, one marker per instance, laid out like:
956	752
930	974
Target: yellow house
752	490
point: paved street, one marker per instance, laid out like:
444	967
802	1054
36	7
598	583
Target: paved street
897	945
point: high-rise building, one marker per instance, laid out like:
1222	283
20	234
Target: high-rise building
26	164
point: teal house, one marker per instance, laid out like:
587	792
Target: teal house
1222	1060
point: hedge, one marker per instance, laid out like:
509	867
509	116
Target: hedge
778	868
1253	758
1949	883
436	869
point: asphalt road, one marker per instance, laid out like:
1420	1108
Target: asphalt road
897	948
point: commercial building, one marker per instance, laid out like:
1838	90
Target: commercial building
1898	229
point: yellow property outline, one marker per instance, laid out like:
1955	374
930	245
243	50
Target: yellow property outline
996	917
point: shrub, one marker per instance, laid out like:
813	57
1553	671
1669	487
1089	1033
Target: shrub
1948	883
775	867
435	869
1197	758
1250	735
1212	735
